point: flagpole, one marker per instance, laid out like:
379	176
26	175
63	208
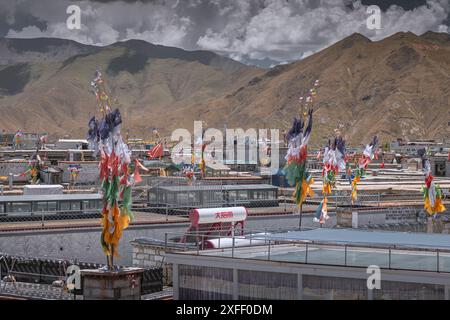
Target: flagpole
301	202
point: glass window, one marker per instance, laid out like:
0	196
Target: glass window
40	206
232	195
267	285
243	195
151	197
218	195
94	204
409	291
52	205
181	198
171	198
333	288
200	283
75	205
19	207
65	205
191	196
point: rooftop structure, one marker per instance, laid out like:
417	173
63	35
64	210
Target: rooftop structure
204	195
25	206
318	264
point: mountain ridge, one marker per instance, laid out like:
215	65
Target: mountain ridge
394	87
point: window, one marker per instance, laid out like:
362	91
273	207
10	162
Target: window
440	170
52	205
19	207
40	206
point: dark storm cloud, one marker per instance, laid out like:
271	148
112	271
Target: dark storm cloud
18	20
246	30
405	4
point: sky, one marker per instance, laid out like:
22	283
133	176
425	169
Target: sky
261	32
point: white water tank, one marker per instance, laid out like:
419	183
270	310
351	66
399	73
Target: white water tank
240	241
217	215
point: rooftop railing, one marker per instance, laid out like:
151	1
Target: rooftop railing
260	244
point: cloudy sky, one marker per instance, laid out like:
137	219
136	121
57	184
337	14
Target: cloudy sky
263	32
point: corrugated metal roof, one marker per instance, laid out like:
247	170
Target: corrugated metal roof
51	197
256	187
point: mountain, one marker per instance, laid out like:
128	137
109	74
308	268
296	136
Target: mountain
14	51
45	83
396	87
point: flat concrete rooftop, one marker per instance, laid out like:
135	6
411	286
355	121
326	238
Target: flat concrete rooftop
367	238
347	247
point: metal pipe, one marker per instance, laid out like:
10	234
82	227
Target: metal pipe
306	254
232	248
165	242
437	257
300	219
389	257
233	235
345	259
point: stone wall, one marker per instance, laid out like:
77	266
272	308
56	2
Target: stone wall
353	218
16	168
438	225
110	285
88	171
150	253
447	168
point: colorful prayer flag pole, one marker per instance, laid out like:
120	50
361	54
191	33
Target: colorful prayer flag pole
334	160
296	170
432	193
363	162
116	181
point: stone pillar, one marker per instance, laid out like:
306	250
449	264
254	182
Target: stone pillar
434	225
235	285
446	227
299	286
347	218
124	284
176	282
355	224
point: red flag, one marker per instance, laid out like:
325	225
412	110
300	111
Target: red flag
449	156
156	152
137	176
137	166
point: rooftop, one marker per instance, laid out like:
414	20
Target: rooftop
372	238
51	197
345	247
218	187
